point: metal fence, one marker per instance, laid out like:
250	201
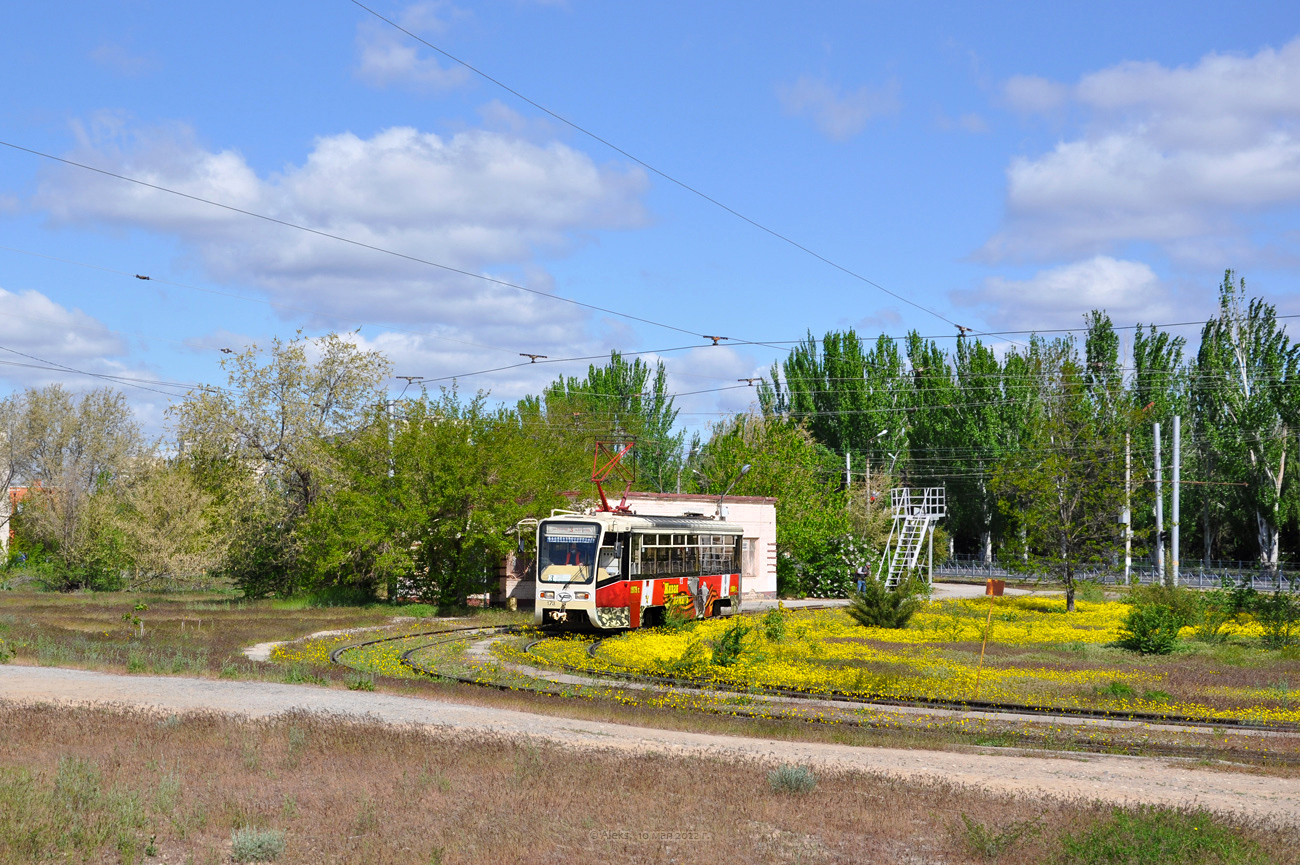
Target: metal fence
1198	576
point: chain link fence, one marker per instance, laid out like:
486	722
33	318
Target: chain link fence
1197	576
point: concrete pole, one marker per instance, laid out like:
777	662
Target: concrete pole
929	577
1128	511
389	407
848	470
1174	492
1160	513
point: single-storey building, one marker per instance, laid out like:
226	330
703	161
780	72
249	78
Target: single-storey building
755	514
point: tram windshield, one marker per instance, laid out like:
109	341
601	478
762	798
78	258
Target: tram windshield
567	552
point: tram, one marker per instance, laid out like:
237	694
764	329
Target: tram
614	569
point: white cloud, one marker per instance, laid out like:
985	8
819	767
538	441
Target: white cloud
839	115
37	333
118	58
1058	297
387	57
883	319
479	202
716	370
1031	94
217	341
1181	157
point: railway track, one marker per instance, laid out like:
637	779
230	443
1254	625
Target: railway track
1046	713
1173	723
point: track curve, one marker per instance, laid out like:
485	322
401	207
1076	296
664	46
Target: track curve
706	686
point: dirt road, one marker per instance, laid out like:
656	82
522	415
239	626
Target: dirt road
1107	778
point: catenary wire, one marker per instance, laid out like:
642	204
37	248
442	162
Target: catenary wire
347	240
276	304
683	185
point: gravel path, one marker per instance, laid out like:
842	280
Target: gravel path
1107	778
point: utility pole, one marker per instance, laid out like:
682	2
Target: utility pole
848	469
1128	511
389	406
1173	528
1160	513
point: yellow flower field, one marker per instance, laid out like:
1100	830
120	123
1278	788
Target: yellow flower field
1038	656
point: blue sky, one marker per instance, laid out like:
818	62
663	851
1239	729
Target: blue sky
1008	166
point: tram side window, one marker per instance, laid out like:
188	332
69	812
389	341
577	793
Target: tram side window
717	554
691	560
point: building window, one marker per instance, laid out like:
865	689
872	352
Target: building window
749	557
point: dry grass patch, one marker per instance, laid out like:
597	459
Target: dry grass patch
184	634
100	785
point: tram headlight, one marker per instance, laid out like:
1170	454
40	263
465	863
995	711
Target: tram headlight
582	596
550	595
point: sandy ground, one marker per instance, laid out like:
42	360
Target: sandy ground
262	651
1107	778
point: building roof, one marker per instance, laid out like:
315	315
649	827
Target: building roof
691	497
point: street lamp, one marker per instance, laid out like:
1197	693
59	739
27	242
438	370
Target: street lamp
744	470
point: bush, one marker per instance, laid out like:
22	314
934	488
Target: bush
792	779
826	569
1117	689
360	681
727	648
1090	591
1182	602
774	625
1279	614
1217	608
1151	629
256	845
878	607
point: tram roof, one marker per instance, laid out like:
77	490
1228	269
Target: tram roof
628	522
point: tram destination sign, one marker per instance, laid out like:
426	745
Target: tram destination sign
571	534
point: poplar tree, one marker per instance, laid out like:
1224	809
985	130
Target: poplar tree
1245	394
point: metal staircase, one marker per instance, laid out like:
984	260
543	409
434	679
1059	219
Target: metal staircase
915	512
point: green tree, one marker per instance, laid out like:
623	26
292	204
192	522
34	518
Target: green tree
462	477
73	454
1246	401
1157	392
812	517
1065	486
258	445
845	395
619	400
165	523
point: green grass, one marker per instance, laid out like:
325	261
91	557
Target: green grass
1160	836
74	815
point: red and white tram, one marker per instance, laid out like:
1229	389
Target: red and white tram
613	570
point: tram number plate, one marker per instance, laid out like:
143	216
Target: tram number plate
672	589
636	590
